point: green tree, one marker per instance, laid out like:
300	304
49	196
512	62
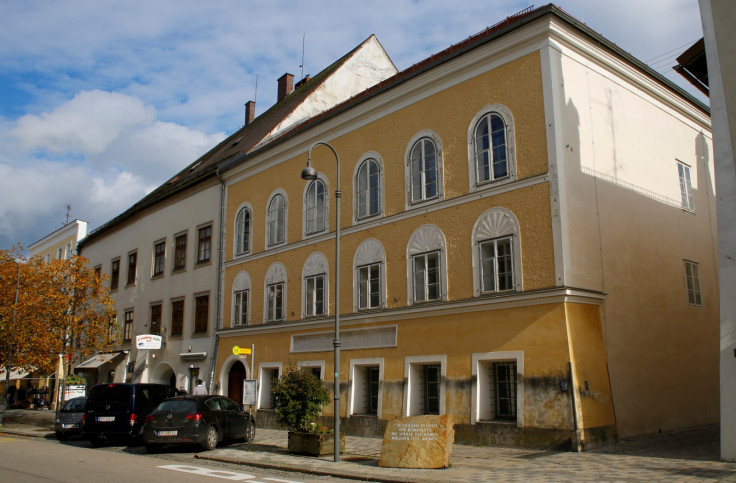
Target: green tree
299	398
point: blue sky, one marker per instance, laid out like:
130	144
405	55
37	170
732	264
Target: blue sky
101	101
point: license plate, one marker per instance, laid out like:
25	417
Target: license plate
105	419
167	433
69	426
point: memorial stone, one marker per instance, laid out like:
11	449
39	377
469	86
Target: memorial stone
418	442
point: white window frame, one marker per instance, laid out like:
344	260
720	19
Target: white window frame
309	364
687	198
241	284
265	383
692	283
508	119
410	201
356	387
496	223
412	376
311	299
240	250
370	156
276	274
311	212
426	239
480	390
369	252
280	221
316	264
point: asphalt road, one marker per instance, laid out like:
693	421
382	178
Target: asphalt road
37	460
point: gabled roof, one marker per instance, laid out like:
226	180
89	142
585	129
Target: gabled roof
234	146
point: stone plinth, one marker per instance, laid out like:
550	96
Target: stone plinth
312	444
418	442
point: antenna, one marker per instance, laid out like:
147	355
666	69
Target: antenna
68	210
304	38
255	96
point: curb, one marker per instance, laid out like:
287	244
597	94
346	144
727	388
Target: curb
301	469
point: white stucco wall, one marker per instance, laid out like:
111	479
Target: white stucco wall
622	231
182	214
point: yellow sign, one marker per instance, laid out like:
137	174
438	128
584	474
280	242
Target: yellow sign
239	351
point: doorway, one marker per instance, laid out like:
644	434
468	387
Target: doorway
236	376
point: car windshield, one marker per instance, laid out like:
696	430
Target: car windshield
111	393
178	405
74	405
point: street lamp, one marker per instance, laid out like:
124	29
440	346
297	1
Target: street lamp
310	173
10	347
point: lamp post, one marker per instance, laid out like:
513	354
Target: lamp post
309	173
10	346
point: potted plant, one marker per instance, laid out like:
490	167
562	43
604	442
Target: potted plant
299	397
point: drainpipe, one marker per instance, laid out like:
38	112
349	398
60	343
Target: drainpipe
220	250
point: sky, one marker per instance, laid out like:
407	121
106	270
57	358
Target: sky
102	101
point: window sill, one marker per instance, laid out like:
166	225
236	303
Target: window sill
156	276
128	285
500	422
179	269
203	263
367	416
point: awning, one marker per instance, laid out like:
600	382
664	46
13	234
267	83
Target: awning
97	362
193	356
15	374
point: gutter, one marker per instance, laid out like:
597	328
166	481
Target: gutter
220	260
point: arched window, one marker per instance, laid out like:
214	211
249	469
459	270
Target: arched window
369	283
491	146
315	208
368	193
275	293
426	266
315	280
243	231
496	252
423	166
276	220
241	299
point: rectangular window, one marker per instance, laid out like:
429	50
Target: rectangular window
314	295
275	310
159	256
372	383
156	319
692	277
504	390
111	328
115	274
132	261
68	251
269	376
426	276
686	187
369	286
205	244
431	389
177	317
201	313
128	326
496	271
180	251
240	312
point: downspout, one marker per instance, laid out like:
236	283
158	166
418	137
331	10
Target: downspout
220	250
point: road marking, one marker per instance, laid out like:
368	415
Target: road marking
225	475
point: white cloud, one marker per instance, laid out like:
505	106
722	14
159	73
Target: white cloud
85	125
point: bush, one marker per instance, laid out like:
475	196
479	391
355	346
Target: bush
299	397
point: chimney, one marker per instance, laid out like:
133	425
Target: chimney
250	112
286	85
302	82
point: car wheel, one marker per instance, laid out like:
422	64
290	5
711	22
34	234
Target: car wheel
210	440
153	448
61	436
251	432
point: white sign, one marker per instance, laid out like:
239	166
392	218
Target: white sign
249	392
148	341
70	392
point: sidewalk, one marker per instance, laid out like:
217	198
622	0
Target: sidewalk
679	456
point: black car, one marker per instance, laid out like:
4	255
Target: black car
118	411
203	420
69	418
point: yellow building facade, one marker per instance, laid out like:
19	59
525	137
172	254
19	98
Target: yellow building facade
458	265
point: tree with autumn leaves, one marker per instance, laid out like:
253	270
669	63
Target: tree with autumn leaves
63	308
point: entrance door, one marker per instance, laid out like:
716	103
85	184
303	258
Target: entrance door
236	376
